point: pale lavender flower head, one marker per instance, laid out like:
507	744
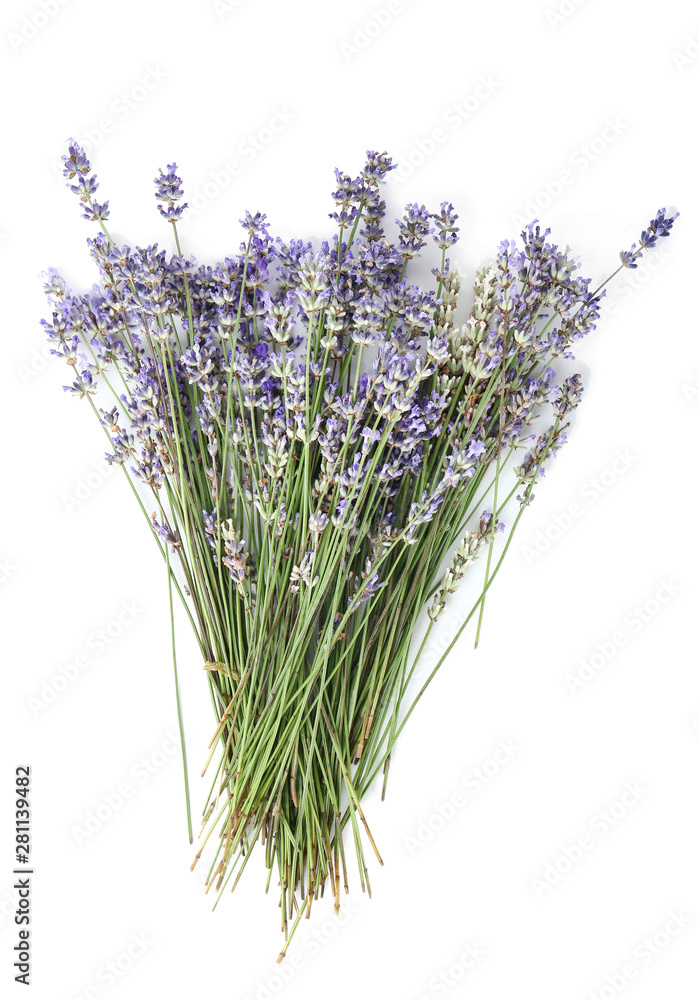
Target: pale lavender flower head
168	190
377	166
569	395
54	287
413	228
256	224
446	230
76	167
658	227
166	534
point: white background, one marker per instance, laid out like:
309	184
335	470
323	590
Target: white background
587	110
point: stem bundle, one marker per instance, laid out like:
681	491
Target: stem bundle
317	438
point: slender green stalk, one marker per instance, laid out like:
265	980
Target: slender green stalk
177	698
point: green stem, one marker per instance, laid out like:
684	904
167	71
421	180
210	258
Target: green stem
177	698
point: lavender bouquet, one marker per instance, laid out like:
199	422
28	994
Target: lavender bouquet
325	451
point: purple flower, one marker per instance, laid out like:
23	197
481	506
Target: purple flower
446	231
256	225
84	384
55	287
165	532
413	228
568	397
658	227
76	167
240	374
75	162
168	190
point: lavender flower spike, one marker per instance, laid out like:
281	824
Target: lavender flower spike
413	228
445	236
657	227
76	167
569	396
168	189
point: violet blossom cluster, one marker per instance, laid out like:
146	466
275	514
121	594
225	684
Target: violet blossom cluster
229	377
658	228
313	437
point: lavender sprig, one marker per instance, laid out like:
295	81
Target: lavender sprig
168	189
658	228
76	167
